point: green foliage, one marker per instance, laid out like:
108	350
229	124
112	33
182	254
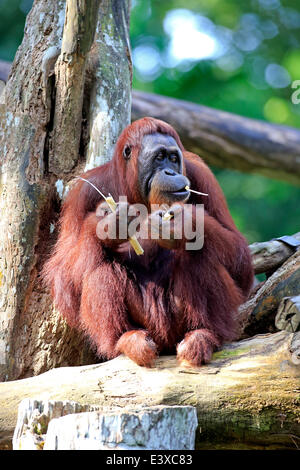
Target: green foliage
252	76
12	18
262	208
255	38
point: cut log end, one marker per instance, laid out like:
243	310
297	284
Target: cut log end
288	314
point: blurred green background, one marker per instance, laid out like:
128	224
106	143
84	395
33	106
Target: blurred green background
236	55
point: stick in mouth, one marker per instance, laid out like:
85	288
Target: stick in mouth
196	192
168	215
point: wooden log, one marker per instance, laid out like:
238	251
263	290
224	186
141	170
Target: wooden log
295	348
150	428
246	398
288	314
257	315
269	255
227	140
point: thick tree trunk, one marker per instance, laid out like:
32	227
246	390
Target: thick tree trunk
34	171
227	140
108	84
246	398
23	200
78	36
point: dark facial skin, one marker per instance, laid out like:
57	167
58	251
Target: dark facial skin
160	166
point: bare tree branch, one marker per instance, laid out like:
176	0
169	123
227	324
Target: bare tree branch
268	256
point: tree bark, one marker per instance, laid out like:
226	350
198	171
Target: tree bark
78	36
2	86
23	200
108	84
227	140
246	398
295	348
153	428
34	174
258	313
4	70
288	314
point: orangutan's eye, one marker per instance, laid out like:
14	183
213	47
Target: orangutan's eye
173	158
127	152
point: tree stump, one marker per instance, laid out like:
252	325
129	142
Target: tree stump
34	417
151	428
